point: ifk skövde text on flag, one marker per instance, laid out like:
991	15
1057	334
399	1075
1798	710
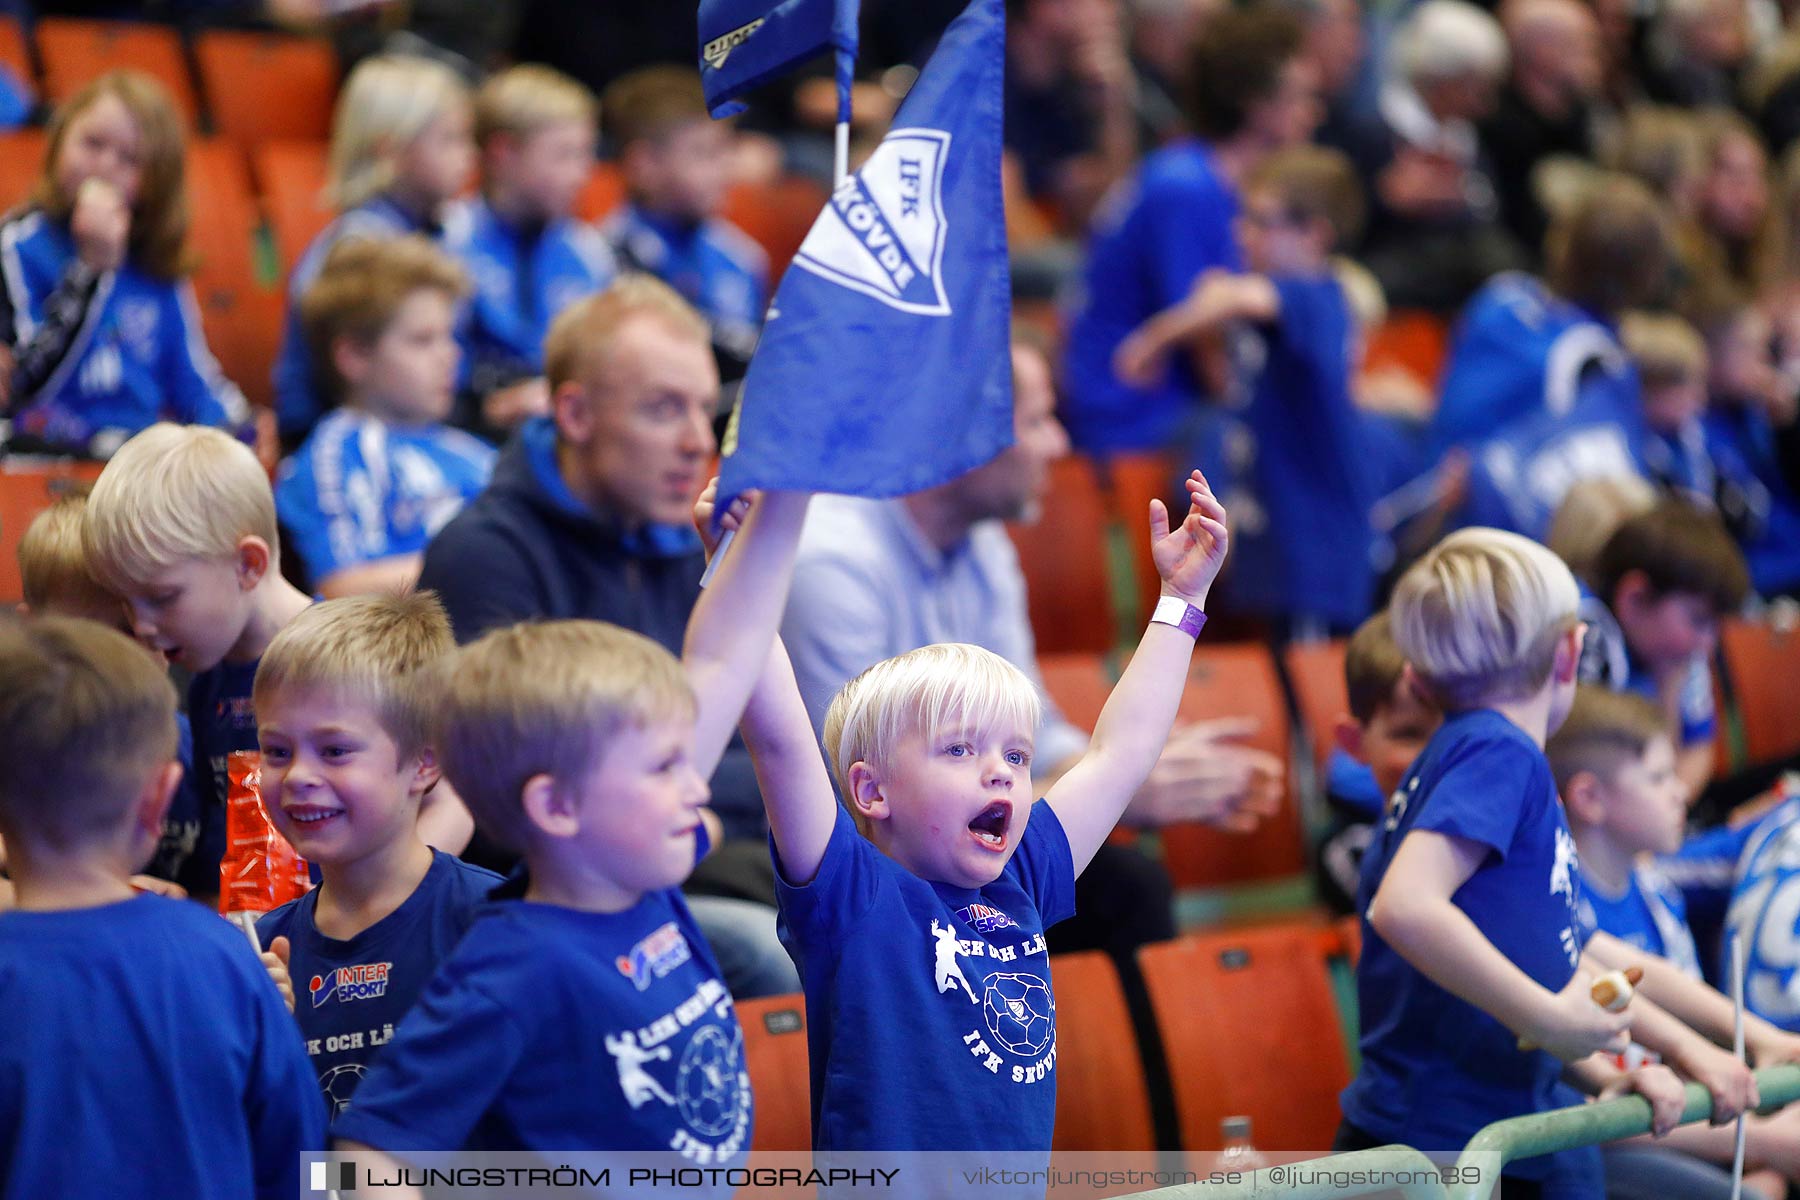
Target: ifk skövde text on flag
885	367
746	43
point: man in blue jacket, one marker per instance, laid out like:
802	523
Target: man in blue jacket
588	516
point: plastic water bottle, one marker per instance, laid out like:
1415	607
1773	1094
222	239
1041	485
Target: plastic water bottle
1239	1154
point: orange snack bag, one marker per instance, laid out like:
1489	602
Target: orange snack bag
260	871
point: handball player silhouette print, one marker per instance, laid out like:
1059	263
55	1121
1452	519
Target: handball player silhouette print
884	365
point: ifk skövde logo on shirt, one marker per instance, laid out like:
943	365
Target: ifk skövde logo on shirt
883	232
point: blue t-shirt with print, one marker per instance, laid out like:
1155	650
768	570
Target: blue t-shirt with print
1765	913
145	1053
713	264
1649	914
550	1028
224	723
362	489
1435	1068
349	995
931	1022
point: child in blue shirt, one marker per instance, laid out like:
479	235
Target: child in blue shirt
586	748
1615	768
381	473
1305	556
1749	398
676	163
342	711
100	324
400	155
181	523
1470	888
527	256
1661	583
145	1052
916	910
1156	232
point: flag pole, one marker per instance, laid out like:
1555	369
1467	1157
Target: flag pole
840	171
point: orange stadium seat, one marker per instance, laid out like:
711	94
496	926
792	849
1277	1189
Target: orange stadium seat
1064	554
1316	671
777	216
603	192
1226	681
1763	665
75	51
263	86
27	487
1415	341
243	330
1101	1100
1238	681
292	177
1250	1027
225	217
775	1055
21	162
1132	481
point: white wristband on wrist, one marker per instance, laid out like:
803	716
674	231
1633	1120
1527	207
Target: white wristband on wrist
1173	610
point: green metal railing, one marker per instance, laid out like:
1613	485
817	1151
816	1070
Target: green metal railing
1490	1150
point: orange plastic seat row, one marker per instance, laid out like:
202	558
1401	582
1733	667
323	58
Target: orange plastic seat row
26	489
1225	681
257	85
1762	665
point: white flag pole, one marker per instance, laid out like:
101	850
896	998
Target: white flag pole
1737	1040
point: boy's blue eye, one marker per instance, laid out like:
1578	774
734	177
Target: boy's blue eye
274	754
1016	757
956	749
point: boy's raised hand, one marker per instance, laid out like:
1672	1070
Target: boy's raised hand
729	523
1188	557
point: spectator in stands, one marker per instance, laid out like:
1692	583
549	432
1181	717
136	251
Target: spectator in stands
1732	207
588	516
1546	108
101	332
1615	770
1752	406
1071	101
1471	933
1538	386
1434	234
400	154
527	255
1660	586
1389	722
1697	52
381	473
676	163
877	578
1252	92
1304	541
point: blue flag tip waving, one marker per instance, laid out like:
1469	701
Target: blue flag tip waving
885	366
746	43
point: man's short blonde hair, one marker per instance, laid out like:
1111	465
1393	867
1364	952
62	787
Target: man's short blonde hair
1480	615
53	565
387	102
529	98
581	337
86	720
546	698
174	493
928	690
379	650
360	288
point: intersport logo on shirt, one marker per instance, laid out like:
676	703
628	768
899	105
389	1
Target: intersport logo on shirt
364	981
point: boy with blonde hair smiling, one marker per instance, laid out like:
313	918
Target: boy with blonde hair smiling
529	256
343	700
586	748
916	912
181	523
146	1052
381	473
1470	888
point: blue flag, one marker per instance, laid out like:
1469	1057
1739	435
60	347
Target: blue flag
746	43
885	366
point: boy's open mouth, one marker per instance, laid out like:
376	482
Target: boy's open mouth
989	826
